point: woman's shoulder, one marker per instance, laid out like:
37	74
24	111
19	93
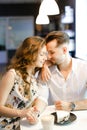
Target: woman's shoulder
8	76
12	71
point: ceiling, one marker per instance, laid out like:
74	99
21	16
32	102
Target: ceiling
19	1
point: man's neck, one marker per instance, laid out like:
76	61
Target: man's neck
66	65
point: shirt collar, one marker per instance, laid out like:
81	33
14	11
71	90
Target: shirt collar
54	67
74	64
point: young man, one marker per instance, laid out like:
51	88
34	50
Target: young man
66	77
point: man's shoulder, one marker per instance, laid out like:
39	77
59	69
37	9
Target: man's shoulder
78	60
79	63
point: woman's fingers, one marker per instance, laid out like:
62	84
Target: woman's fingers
45	74
32	115
32	120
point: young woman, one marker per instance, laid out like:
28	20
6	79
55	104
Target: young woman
18	88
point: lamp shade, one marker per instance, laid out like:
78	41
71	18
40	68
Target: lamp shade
42	19
49	7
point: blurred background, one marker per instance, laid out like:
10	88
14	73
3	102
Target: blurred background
18	20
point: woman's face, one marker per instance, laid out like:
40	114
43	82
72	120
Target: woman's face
41	57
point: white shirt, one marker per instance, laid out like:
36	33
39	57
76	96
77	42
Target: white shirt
73	88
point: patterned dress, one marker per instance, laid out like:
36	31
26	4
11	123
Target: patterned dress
21	96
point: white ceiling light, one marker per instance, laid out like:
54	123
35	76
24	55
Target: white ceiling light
42	19
49	7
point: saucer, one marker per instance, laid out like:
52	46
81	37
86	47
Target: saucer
72	118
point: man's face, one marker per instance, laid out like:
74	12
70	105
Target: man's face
56	53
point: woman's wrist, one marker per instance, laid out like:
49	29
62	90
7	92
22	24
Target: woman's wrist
47	63
21	113
36	111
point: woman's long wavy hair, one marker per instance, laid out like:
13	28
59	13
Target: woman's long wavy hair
26	55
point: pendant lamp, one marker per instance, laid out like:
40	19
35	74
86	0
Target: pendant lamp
42	19
49	7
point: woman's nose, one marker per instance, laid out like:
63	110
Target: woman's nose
49	56
45	57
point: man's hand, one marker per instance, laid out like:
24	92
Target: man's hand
62	105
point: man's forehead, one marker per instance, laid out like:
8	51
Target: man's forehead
52	43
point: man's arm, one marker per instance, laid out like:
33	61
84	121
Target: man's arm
71	106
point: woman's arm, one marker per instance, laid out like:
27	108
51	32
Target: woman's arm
6	85
5	88
45	72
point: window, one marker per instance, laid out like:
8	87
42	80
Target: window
13	30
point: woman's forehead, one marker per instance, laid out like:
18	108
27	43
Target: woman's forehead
43	49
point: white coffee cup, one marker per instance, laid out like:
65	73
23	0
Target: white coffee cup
47	122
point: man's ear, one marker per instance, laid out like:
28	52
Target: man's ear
64	49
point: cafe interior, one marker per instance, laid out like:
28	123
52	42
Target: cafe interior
21	18
18	19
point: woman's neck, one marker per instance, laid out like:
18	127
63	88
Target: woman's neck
30	70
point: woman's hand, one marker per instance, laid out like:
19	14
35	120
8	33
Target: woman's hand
32	115
63	105
45	72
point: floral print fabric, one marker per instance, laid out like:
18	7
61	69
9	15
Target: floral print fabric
18	98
